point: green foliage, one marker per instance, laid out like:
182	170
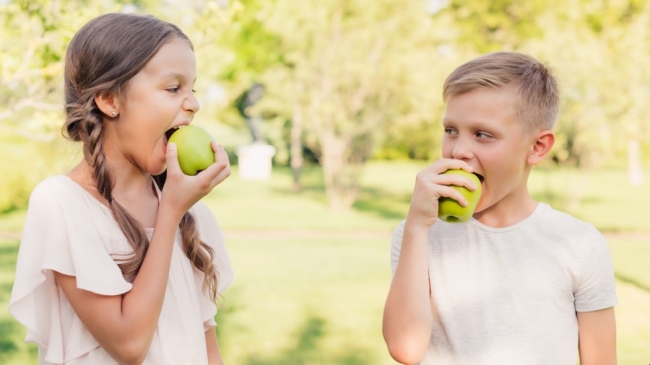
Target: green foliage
495	25
364	75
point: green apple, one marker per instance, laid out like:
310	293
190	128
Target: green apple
193	148
449	210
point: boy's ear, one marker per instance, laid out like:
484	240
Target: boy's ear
541	146
108	104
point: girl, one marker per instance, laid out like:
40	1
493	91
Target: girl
113	268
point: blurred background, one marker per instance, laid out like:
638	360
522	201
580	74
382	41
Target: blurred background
348	94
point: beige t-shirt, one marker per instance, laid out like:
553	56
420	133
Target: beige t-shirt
69	231
509	296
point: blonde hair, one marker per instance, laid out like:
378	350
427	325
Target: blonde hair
537	95
101	58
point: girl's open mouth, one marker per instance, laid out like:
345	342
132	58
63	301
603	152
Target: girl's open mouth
168	135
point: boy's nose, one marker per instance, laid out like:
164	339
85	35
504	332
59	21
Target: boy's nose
461	151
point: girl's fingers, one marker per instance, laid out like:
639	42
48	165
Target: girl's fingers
171	159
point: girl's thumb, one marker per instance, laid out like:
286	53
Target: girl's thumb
171	158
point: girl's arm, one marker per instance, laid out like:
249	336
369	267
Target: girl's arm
124	324
214	355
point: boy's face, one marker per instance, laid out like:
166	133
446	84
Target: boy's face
481	128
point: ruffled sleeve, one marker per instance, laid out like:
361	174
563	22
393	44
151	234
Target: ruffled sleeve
211	234
61	234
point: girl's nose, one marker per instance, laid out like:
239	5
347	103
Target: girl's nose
191	104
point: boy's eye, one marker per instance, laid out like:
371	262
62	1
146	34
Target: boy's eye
174	89
483	135
450	131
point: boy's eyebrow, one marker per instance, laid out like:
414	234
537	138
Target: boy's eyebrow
473	124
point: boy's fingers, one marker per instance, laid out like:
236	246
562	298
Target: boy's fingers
456	180
452	193
445	164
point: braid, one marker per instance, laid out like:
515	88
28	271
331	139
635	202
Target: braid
93	152
84	123
200	254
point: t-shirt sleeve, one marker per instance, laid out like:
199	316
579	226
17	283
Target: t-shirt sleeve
596	287
212	235
396	245
59	235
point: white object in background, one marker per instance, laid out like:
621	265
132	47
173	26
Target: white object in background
255	161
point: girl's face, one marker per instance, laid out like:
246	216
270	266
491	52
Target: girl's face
158	98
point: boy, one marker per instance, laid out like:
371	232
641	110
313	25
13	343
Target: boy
520	283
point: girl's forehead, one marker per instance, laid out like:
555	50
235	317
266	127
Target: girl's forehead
175	59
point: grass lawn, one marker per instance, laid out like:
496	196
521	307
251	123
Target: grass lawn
310	283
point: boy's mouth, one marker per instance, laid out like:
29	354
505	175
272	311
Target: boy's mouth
480	177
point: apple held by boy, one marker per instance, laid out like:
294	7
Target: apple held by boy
193	148
449	210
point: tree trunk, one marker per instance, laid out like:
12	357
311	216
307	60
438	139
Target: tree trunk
635	172
340	176
296	145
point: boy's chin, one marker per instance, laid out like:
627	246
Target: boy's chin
480	208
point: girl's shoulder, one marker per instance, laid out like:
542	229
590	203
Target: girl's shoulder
58	187
61	192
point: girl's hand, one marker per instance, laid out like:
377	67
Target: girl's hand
181	191
430	185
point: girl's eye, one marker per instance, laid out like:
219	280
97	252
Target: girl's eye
450	131
174	89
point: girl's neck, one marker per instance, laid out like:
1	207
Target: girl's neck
128	184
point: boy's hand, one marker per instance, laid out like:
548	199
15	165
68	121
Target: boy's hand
181	191
431	184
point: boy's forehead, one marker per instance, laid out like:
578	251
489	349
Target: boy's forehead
485	106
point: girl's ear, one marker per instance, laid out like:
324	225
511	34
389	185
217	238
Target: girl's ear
542	144
108	104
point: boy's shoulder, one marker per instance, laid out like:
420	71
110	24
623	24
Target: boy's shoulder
549	217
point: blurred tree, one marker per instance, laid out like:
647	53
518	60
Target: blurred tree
34	36
350	70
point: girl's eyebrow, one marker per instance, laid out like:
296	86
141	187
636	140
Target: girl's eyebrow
175	75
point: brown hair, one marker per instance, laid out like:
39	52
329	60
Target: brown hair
537	95
101	58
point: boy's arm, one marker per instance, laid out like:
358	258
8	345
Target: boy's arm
597	337
408	317
407	313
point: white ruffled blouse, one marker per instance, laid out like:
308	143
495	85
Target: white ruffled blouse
69	231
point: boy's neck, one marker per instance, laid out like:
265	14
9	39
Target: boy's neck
510	210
